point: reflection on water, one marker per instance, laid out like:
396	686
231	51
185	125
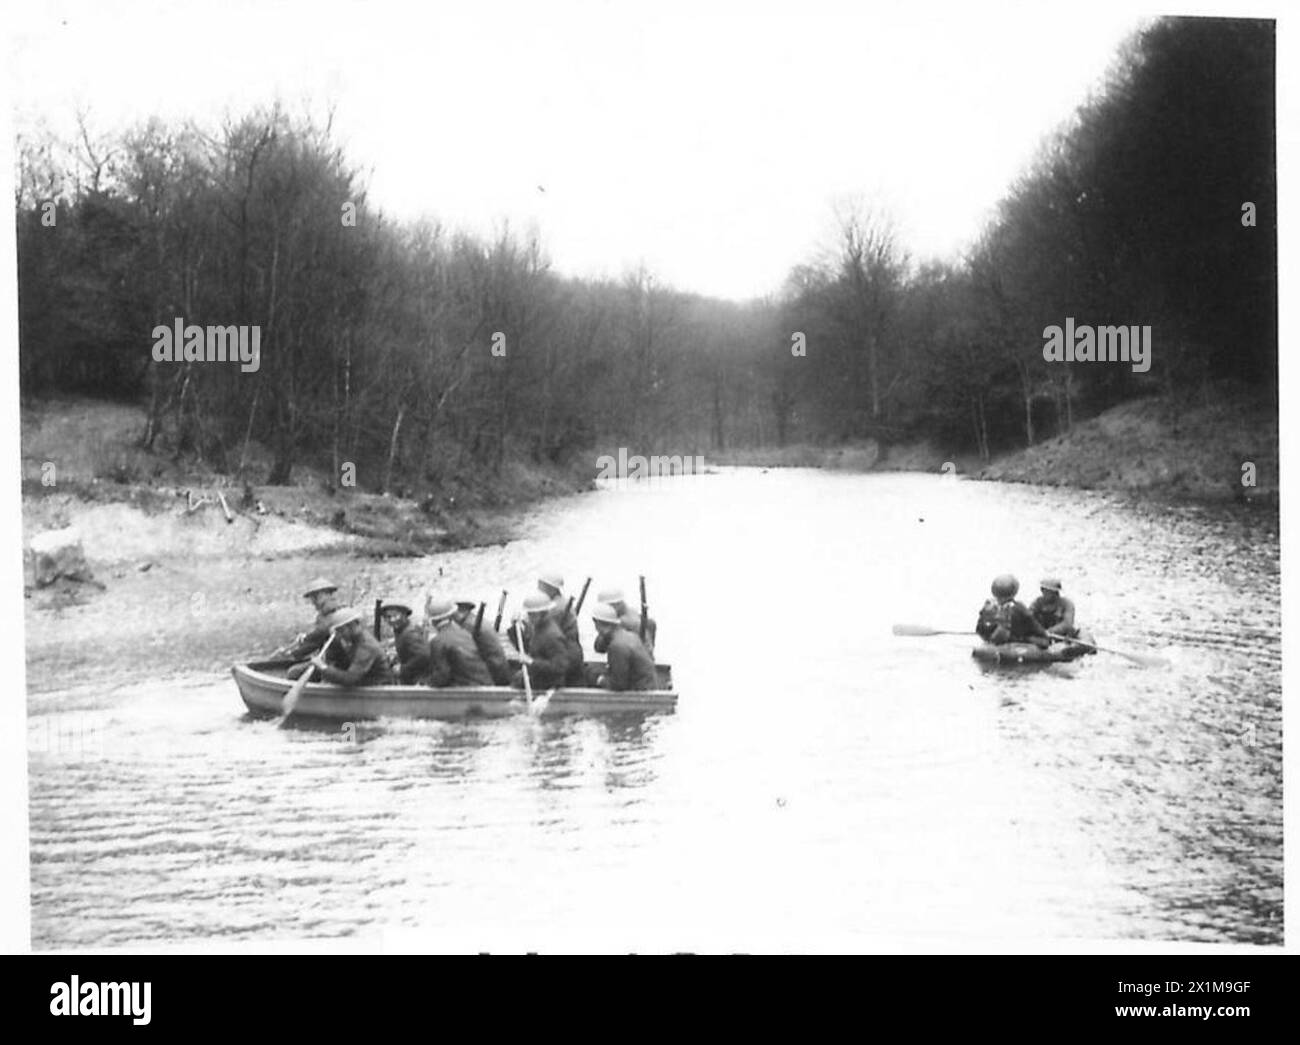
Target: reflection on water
822	781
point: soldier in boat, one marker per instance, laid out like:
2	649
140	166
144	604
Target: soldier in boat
355	657
1003	619
487	641
629	618
548	656
552	586
453	658
410	641
628	664
323	595
1055	612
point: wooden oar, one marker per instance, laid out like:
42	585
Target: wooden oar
528	685
501	608
1146	660
300	683
478	621
379	616
922	630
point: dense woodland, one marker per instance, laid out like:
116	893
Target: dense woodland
376	336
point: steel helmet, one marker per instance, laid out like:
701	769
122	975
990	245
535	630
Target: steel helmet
338	618
538	603
553	581
465	604
319	584
401	607
604	613
1050	584
612	596
439	609
1005	586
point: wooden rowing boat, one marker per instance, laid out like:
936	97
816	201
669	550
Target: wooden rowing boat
262	685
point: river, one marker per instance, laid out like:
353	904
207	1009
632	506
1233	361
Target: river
823	785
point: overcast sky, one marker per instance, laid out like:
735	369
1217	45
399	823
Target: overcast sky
710	142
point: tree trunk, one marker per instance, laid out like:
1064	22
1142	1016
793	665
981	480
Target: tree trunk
719	432
872	377
248	432
392	448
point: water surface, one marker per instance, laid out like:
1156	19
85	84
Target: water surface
823	783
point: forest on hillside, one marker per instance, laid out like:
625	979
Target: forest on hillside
376	335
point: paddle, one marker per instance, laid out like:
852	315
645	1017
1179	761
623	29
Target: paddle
478	621
379	617
300	683
539	706
1147	661
501	608
921	630
528	685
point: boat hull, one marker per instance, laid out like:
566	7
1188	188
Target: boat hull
1026	654
262	687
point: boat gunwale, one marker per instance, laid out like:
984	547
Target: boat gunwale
250	671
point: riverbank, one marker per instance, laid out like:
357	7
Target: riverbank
1220	448
187	568
83	467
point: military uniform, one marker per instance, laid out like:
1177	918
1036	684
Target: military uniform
412	654
365	660
552	656
568	625
454	659
1008	621
488	643
630	619
629	665
1056	619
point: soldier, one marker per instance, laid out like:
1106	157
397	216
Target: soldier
552	586
359	660
547	654
323	595
1053	610
410	641
1002	619
487	641
629	618
453	658
628	663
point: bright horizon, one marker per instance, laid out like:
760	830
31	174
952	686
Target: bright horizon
711	148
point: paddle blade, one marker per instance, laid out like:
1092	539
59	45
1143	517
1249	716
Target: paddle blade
915	629
1146	660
